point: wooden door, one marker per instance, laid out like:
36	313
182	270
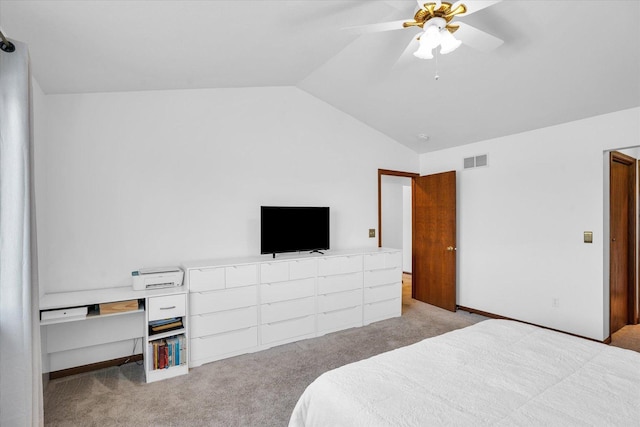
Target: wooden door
434	240
622	241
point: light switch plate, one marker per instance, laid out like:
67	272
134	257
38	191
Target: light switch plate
588	236
372	232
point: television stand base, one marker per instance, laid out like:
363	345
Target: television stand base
317	252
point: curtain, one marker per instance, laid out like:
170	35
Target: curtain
20	359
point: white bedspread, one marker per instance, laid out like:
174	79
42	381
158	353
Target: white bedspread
497	373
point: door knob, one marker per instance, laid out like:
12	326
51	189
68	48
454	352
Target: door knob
451	248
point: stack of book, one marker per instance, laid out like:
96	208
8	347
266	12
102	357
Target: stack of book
165	325
168	352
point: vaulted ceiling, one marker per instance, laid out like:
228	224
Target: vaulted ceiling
561	60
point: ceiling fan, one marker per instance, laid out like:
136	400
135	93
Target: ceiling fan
436	19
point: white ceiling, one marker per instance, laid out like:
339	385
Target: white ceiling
562	60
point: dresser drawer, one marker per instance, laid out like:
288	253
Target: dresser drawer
382	310
241	275
273	292
206	279
340	283
288	330
280	311
223	321
167	306
339	265
381	293
302	269
382	277
382	260
339	300
274	272
229	299
221	344
336	320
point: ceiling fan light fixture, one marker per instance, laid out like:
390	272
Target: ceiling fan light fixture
429	39
448	43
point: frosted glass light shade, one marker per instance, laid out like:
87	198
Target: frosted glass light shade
448	43
429	40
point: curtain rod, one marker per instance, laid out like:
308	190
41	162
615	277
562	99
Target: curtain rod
5	44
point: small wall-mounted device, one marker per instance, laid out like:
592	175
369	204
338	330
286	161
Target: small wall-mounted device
588	236
372	232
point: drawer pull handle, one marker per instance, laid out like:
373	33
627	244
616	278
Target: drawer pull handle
168	308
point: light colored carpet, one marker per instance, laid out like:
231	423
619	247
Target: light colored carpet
628	337
258	389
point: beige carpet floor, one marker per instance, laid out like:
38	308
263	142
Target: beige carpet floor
628	337
258	389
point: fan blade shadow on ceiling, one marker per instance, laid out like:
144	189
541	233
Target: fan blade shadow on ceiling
377	28
474	6
477	39
406	58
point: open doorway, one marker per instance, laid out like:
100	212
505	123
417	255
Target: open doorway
621	252
433	236
395	219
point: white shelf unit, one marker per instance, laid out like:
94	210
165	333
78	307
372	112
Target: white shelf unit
244	305
161	308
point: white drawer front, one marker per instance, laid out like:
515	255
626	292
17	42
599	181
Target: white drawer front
223	321
273	292
274	272
302	269
339	300
209	302
279	331
384	292
374	261
167	306
216	345
343	282
207	279
280	311
393	259
335	320
241	275
382	310
339	265
382	277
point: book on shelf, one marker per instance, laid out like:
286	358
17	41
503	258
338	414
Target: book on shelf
167	352
165	325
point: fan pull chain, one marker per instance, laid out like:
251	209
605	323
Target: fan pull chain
436	76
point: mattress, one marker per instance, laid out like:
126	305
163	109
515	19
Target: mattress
494	373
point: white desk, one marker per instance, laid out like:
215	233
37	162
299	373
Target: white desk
72	342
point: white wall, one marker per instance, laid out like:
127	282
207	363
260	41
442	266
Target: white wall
521	222
142	179
396	216
392	212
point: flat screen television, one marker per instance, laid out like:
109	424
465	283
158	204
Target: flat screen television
293	229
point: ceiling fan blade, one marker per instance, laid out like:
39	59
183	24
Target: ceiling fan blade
474	5
376	28
475	38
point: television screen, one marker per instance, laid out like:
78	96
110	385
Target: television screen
293	229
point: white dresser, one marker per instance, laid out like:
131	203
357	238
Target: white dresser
244	305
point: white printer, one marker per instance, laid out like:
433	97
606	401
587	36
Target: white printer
159	277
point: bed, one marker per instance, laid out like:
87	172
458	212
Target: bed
494	373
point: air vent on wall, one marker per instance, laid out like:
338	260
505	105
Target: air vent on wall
476	162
